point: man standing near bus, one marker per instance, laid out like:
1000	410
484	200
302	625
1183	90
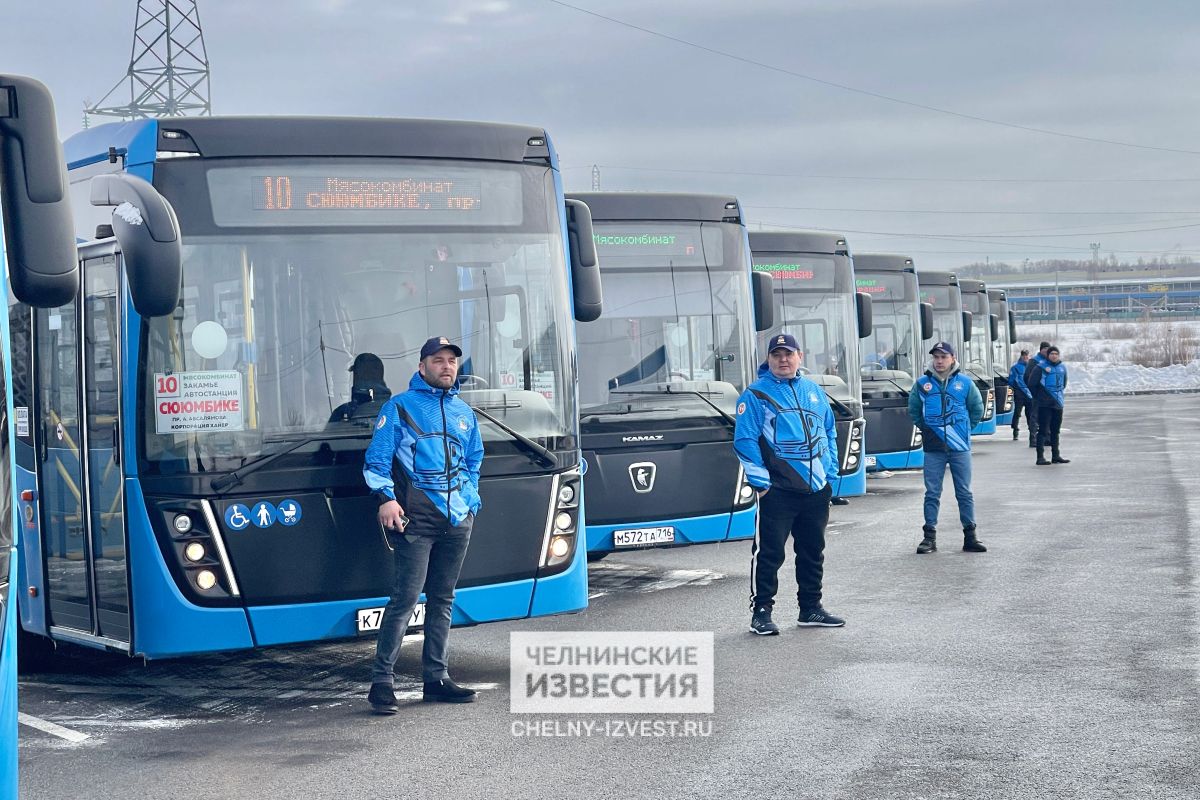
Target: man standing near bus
1037	362
786	439
1022	397
428	438
1048	384
946	406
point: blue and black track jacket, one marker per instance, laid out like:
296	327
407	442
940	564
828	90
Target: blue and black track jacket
426	453
786	435
945	411
1016	379
1049	383
1036	363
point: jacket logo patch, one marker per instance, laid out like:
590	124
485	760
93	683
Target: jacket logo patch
925	387
741	408
1047	370
382	421
462	425
813	397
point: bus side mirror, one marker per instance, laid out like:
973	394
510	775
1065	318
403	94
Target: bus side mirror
763	289
926	321
968	318
148	232
994	323
862	304
585	263
1012	328
39	232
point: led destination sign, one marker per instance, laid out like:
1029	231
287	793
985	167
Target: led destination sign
803	274
325	193
884	287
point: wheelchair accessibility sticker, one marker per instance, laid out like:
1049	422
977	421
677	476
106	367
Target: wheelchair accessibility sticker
237	517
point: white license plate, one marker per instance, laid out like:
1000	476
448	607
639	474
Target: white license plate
869	461
640	537
369	619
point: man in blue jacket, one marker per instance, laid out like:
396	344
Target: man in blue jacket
423	467
786	439
1048	384
1035	363
1022	397
945	405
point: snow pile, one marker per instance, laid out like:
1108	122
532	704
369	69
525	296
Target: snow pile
1097	378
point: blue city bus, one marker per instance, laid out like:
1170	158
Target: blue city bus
892	358
663	367
1004	335
197	477
815	301
976	358
38	254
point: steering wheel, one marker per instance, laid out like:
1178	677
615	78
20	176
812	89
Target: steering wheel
473	380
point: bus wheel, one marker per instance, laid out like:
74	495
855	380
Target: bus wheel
597	556
35	653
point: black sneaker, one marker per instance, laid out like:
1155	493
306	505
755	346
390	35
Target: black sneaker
447	691
382	699
819	618
1016	434
761	623
839	501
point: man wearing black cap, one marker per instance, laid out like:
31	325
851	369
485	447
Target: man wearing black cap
1048	385
423	467
367	391
786	439
945	405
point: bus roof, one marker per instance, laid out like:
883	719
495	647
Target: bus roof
222	137
883	262
661	206
937	279
798	242
972	286
997	295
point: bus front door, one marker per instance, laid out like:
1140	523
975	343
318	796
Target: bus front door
83	527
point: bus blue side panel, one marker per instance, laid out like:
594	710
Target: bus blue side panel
905	459
852	485
8	691
692	530
562	593
1004	419
165	623
309	622
30	570
139	140
984	428
741	524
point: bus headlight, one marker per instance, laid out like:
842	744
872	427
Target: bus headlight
744	496
746	492
562	526
855	446
206	579
194	552
182	523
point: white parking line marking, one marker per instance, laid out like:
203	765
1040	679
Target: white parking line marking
49	727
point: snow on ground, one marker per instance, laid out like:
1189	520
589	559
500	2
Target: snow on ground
1100	356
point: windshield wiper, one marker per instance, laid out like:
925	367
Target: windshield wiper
543	456
236	477
725	417
845	409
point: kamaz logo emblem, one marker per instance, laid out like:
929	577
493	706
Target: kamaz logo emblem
642	474
643	438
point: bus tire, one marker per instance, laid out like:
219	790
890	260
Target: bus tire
35	653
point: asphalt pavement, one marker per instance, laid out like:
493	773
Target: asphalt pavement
1061	664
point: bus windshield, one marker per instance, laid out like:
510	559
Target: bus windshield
1000	348
892	351
815	297
947	315
288	330
674	338
977	355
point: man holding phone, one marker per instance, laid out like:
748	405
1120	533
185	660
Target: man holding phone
423	467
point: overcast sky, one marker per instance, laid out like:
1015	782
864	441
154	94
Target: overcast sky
657	114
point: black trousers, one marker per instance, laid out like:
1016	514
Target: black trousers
804	517
1023	403
1049	424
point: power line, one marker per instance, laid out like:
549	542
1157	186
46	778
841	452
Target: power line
963	211
868	93
883	178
